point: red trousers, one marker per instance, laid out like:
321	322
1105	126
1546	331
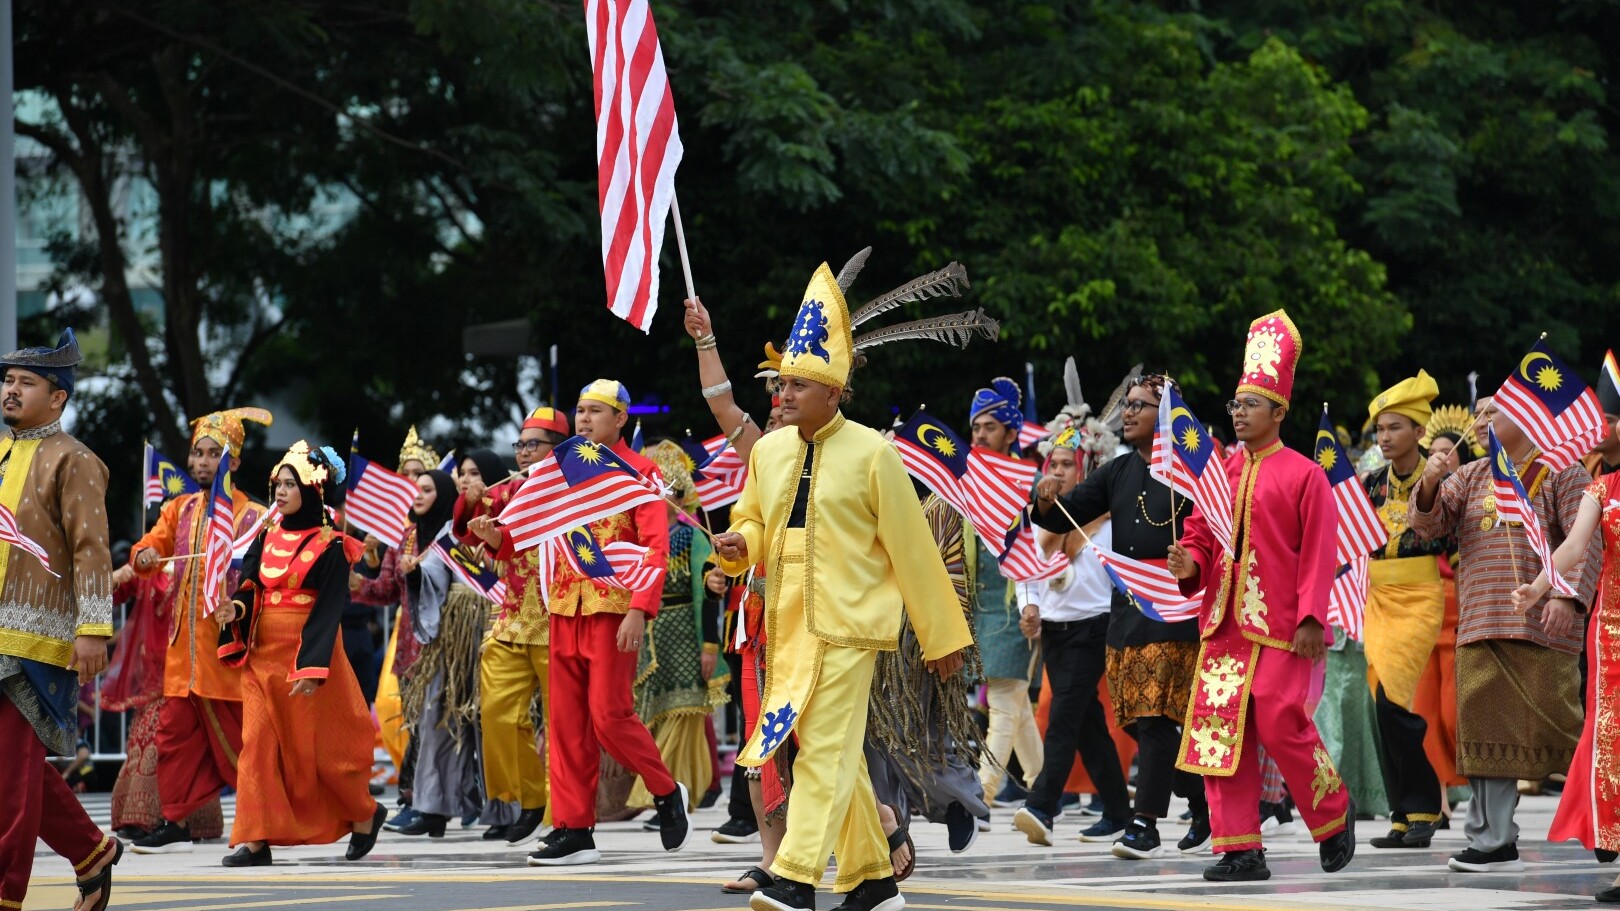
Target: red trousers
1277	720
37	803
592	710
199	741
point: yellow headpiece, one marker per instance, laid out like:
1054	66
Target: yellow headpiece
415	450
676	467
1451	419
609	392
820	347
225	427
314	467
1410	397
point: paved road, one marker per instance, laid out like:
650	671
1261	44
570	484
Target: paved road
462	873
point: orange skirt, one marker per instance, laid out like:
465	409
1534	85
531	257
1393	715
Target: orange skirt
304	777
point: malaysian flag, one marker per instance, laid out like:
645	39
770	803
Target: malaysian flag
575	484
219	522
1513	505
11	534
164	479
378	500
1348	597
1150	587
1185	460
935	456
1031	433
239	547
617	564
718	472
1361	531
1553	406
998	489
638	147
468	570
1023	561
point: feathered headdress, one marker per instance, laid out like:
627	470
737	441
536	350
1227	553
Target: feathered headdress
1075	428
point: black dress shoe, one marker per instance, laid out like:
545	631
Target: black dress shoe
784	895
361	843
429	824
873	895
1605	857
245	858
1239	867
1337	850
1610	895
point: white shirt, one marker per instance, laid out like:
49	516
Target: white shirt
1081	593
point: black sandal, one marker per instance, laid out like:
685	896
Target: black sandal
898	838
758	875
102	881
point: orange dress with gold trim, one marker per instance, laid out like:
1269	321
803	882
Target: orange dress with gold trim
305	769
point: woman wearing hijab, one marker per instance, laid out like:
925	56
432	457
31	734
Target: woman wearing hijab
304	773
441	697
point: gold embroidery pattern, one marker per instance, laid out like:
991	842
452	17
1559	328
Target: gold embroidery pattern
1325	780
1222	679
1254	598
1213	738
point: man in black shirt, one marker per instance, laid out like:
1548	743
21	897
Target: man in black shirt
1151	665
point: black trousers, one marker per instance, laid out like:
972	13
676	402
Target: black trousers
1413	786
1076	656
1159	745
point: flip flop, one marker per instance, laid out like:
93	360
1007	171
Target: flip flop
756	874
102	881
897	838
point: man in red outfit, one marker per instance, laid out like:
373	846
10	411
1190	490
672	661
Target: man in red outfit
1263	624
596	635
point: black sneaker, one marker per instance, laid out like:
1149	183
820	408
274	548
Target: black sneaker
1407	835
1140	842
1610	895
674	829
429	824
1198	837
784	895
1035	824
170	838
1503	860
495	833
1093	808
1605	857
710	798
1337	850
1239	867
528	822
131	833
1395	838
961	829
566	848
245	858
873	895
1103	829
736	832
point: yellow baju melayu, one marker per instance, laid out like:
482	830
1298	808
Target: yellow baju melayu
840	566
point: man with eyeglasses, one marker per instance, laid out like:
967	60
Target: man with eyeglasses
516	656
1263	624
1150	665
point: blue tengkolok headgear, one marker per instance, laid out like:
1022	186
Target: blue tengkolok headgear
59	364
1002	401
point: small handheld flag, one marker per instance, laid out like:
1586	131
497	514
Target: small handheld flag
1513	505
1361	531
1553	406
1185	460
164	479
576	483
1150	588
219	522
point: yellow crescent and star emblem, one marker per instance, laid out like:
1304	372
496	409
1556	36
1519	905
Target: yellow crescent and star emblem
1190	436
1548	377
583	545
1326	453
940	442
589	453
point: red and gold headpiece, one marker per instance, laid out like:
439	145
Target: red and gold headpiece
1270	358
225	427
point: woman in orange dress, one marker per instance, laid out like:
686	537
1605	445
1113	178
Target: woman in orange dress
304	774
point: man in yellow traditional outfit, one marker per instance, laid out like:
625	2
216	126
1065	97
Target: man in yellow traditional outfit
832	512
1406	607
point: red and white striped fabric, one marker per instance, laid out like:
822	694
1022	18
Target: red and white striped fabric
934	473
378	501
1155	592
723	475
1187	459
626	559
1361	531
1023	561
220	537
638	148
1555	408
11	534
997	489
576	483
239	547
1513	505
1348	597
1031	433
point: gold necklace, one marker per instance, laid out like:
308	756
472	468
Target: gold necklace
1175	511
1401	488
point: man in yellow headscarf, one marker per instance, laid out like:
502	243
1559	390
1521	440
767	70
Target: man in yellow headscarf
200	724
1406	605
831	511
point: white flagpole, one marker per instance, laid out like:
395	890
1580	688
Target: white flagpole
680	244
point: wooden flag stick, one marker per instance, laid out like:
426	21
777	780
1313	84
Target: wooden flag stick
179	558
680	245
690	520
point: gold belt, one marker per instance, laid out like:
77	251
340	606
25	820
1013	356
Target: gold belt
1403	571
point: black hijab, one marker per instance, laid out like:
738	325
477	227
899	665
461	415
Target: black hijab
489	465
311	511
443	509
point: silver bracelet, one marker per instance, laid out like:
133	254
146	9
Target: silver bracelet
716	391
731	438
707	342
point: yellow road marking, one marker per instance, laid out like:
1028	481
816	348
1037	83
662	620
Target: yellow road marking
283	902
